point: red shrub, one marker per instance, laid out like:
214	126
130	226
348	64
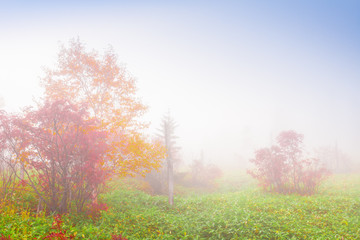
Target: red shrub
283	168
61	150
60	233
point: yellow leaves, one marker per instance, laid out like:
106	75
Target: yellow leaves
25	215
50	131
24	156
133	154
109	91
344	222
100	82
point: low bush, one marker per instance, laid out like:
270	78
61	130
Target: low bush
283	168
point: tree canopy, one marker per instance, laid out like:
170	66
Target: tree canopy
87	77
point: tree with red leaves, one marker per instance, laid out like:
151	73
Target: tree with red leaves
109	90
283	168
61	150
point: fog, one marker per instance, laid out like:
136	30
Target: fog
233	75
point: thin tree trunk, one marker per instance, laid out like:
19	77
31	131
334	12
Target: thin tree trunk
171	181
22	171
39	207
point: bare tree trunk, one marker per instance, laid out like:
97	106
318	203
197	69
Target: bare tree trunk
167	132
22	170
171	181
39	207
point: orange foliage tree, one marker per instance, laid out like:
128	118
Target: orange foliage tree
110	92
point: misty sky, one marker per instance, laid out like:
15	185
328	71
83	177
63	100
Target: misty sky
233	73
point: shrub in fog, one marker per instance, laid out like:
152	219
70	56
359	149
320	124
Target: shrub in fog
283	168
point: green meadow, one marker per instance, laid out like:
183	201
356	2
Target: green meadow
236	210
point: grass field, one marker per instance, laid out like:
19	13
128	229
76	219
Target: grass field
243	213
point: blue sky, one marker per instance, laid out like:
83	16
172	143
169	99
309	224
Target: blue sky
233	73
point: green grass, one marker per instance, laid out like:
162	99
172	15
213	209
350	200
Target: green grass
333	213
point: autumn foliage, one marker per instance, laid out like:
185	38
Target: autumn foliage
110	93
60	152
283	168
58	233
86	129
118	237
2	237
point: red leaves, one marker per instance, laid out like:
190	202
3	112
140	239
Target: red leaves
3	237
60	233
94	209
110	93
87	126
290	139
23	183
61	143
283	169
